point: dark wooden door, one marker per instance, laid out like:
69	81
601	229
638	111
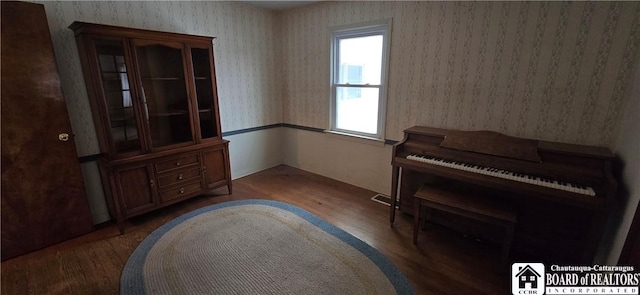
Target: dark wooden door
43	196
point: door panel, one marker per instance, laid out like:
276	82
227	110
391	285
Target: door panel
115	78
214	167
207	110
43	195
164	93
136	188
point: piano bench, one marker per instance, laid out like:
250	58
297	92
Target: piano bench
470	206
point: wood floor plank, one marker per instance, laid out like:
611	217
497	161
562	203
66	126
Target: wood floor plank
444	262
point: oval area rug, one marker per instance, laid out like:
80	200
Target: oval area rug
257	247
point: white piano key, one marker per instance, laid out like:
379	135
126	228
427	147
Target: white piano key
519	177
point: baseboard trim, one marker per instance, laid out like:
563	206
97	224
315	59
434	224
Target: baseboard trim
252	129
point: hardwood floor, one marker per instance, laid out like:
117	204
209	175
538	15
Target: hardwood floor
444	262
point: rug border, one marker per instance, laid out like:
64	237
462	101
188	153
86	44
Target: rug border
132	271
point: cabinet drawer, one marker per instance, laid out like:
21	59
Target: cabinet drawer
177	163
177	176
180	191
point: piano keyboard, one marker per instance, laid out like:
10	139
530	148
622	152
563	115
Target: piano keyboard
505	174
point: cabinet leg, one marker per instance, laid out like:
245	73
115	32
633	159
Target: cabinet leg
120	222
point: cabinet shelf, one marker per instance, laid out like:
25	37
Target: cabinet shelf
111	73
176	113
169	113
120	108
127	119
116	91
115	79
162	78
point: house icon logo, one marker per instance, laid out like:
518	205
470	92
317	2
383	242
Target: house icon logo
527	278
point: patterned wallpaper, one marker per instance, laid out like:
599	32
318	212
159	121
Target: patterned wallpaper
549	70
245	53
558	71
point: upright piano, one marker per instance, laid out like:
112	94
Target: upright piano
562	192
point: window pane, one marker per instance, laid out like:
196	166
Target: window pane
107	63
115	86
357	109
360	60
165	94
204	92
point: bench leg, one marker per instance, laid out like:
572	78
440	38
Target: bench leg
417	209
506	247
427	215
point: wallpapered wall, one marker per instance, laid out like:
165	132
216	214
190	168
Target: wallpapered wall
556	71
244	51
549	70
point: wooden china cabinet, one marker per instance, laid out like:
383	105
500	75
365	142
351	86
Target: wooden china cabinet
155	107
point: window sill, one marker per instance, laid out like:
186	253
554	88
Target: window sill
355	138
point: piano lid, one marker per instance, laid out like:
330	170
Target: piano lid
492	143
542	146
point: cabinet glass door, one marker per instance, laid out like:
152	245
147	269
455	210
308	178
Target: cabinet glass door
204	92
166	105
114	76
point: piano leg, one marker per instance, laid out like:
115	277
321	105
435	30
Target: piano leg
394	193
595	233
417	206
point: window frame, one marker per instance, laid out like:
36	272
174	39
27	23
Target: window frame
371	28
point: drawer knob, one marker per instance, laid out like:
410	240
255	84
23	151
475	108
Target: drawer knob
182	190
177	163
180	176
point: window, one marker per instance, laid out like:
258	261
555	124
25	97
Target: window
353	75
359	57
